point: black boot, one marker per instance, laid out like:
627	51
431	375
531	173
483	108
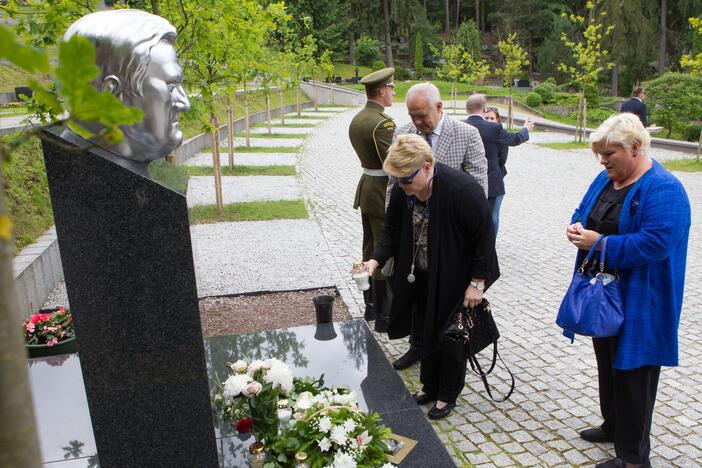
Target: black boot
369	314
382	306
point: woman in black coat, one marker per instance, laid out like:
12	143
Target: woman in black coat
438	229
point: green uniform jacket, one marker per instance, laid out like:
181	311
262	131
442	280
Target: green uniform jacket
371	133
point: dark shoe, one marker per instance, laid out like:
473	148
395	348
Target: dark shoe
596	435
369	313
436	413
613	463
423	399
406	360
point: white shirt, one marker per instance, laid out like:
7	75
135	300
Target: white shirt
436	134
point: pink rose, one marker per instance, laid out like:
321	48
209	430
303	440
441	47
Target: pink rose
252	389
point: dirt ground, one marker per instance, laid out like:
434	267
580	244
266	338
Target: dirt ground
243	314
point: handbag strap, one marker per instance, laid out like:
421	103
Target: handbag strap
603	248
474	364
591	253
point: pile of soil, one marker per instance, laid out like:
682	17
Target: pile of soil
230	315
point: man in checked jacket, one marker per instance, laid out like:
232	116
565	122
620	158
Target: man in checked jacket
454	143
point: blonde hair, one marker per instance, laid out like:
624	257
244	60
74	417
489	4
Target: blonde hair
623	130
476	103
407	155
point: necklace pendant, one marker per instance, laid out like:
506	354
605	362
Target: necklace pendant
410	278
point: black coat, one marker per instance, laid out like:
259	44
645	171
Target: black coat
461	246
495	140
637	107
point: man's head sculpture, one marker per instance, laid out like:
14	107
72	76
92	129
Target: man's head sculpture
135	53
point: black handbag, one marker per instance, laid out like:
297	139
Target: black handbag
469	332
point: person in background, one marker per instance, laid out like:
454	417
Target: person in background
645	214
495	138
636	105
438	230
371	132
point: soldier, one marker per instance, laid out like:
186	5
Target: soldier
371	133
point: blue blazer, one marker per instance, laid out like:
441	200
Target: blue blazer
649	253
637	107
495	138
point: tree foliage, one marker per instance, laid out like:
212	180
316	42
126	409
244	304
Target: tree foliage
514	57
694	60
418	55
468	37
367	49
675	100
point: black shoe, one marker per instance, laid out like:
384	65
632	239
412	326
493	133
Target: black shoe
596	435
407	359
369	313
423	399
613	463
381	324
436	413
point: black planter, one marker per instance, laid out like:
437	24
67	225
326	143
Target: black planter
323	308
23	90
62	347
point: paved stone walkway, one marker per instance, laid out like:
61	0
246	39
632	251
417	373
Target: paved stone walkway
237	189
556	393
245	159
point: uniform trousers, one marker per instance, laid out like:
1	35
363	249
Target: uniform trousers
627	398
443	374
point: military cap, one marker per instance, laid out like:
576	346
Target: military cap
378	77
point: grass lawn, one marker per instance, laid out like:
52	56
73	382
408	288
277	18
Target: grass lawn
254	149
27	193
250	211
241	170
683	165
12	77
569	145
12	111
272	135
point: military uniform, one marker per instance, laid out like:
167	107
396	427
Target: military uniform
371	134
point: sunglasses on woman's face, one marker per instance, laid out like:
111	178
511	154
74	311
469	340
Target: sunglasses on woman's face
410	178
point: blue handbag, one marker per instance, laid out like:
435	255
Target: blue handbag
593	305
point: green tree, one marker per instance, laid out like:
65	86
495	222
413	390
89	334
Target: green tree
694	60
674	100
514	60
468	37
74	99
418	56
367	49
589	56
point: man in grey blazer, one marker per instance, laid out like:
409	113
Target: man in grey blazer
454	143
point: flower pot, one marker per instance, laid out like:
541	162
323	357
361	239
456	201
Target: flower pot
62	347
264	415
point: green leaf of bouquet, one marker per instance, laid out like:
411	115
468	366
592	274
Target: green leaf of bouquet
25	57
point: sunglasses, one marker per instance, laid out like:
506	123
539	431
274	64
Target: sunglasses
410	178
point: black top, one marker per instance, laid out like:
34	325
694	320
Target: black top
604	217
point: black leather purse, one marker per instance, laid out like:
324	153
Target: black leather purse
469	332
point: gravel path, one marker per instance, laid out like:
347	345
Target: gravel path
242	189
281	130
266	142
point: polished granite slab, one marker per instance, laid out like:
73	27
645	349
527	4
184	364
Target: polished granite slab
345	352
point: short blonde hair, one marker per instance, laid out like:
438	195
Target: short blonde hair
407	155
476	103
623	130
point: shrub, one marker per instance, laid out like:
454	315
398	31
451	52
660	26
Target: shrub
534	100
547	91
377	65
692	132
367	50
402	74
674	100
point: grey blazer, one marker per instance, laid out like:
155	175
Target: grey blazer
460	147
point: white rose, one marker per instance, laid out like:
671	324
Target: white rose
252	389
254	367
280	376
239	366
304	401
234	385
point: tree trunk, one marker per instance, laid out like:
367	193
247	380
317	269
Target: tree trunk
578	119
458	14
314	95
478	23
246	117
297	93
388	46
583	133
663	38
447	19
268	112
19	444
217	167
230	132
282	104
352	48
509	110
615	80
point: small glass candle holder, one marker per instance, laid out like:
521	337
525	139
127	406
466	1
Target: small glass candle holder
284	414
301	460
257	455
360	275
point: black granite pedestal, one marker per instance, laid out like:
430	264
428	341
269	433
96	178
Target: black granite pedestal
128	265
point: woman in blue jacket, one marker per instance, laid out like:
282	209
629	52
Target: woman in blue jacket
645	214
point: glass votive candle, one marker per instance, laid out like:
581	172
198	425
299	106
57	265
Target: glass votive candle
360	275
